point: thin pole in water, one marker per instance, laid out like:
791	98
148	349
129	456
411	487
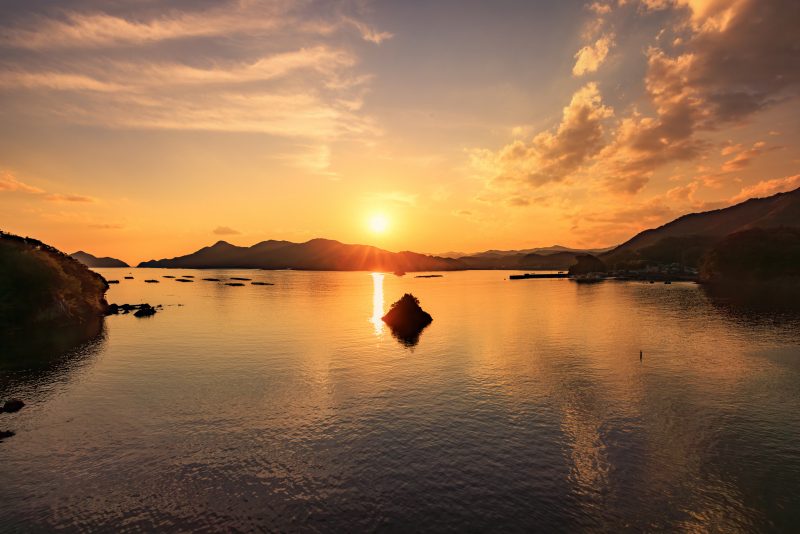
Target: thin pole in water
640	355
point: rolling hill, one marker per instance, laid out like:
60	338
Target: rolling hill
687	239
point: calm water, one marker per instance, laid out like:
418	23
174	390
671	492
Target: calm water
524	406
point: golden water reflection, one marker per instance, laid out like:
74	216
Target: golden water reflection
377	303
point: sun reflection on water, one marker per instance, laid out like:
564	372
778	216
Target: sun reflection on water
377	303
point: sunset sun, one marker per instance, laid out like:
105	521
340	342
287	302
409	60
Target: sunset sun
378	223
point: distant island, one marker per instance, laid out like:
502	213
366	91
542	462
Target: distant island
93	261
313	255
41	286
330	255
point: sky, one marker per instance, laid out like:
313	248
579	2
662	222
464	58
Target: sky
144	129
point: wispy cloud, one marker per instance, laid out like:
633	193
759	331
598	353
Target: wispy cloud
225	230
272	67
58	197
9	183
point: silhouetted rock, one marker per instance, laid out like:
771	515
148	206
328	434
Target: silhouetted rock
141	310
5	434
587	264
12	405
407	319
145	310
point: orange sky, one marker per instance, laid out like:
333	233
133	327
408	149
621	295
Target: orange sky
141	131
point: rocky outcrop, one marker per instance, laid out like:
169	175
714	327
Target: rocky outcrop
41	285
407	319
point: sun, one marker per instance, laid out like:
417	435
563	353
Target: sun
378	223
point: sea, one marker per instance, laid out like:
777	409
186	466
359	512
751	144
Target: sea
540	405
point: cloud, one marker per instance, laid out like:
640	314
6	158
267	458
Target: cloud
733	59
225	230
742	54
744	157
599	8
9	183
368	33
683	193
517	201
551	156
767	188
58	197
590	57
270	67
76	28
107	226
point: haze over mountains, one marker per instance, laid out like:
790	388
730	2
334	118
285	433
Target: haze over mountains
684	240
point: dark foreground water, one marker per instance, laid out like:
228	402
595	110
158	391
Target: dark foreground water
524	407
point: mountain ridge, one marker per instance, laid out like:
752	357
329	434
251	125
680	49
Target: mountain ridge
91	260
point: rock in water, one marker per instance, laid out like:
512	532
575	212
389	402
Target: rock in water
145	310
12	405
407	319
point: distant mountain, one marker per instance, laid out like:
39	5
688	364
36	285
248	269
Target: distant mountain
314	255
688	239
494	253
93	261
533	261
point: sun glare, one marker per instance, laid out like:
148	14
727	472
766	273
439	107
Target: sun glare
378	223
